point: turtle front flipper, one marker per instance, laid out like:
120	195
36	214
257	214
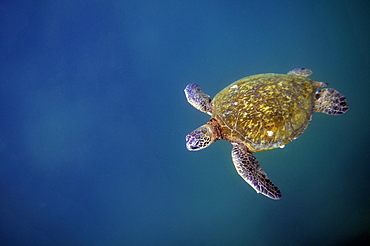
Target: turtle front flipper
198	98
330	101
250	170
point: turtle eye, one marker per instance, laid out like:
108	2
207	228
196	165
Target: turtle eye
193	144
193	147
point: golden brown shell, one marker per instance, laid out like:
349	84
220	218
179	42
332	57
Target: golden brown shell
265	111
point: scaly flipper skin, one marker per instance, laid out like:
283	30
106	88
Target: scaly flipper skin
250	170
330	101
198	99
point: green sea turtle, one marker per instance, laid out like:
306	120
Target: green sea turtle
258	113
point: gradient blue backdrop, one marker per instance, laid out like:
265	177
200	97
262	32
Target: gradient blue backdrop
93	122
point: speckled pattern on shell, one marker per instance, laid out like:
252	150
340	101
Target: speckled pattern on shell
265	111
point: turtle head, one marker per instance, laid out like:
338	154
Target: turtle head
200	138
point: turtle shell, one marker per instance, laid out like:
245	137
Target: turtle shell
265	111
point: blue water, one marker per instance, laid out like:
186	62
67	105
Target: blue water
93	122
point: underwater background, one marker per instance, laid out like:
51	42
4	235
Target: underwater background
93	121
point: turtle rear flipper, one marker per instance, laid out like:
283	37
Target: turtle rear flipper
300	72
250	170
330	101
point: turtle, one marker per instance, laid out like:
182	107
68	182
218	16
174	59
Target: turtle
259	113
